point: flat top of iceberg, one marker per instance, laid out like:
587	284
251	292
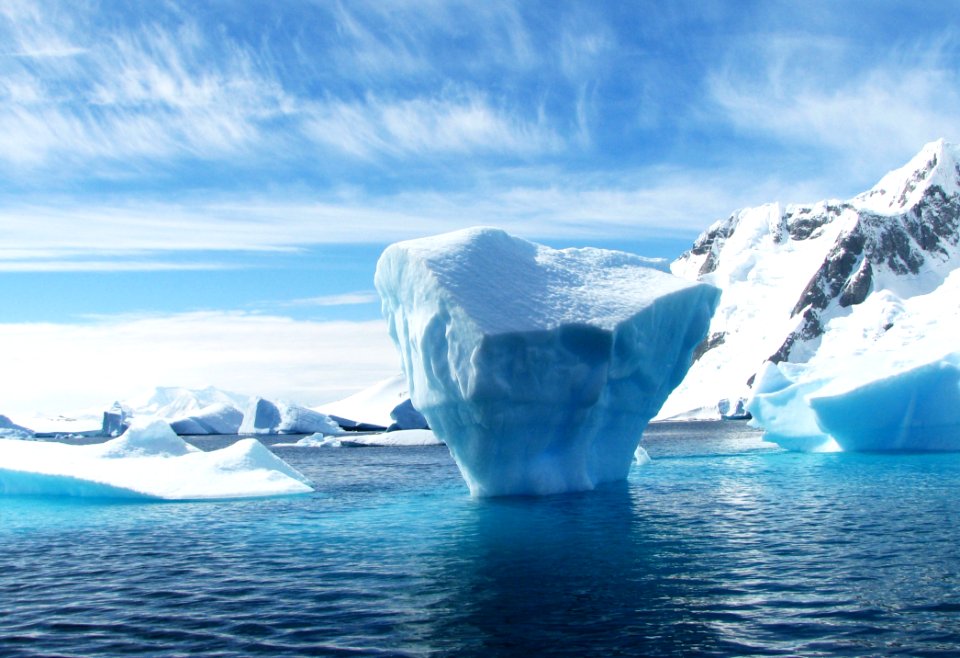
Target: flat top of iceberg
508	284
148	461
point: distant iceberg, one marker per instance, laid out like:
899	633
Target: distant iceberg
385	405
279	417
395	439
538	367
218	418
149	461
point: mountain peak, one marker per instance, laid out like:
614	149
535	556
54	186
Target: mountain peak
937	164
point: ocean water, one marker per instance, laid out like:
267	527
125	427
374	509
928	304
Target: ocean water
722	545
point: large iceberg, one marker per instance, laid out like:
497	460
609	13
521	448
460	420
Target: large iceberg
539	368
10	430
148	461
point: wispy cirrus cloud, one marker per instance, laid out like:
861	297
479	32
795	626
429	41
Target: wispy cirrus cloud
457	124
636	205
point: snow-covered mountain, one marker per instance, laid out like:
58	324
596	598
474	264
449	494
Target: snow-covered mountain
793	276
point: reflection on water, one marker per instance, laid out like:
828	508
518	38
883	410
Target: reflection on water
722	545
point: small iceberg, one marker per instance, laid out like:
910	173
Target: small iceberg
149	461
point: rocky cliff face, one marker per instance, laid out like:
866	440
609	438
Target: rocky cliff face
786	273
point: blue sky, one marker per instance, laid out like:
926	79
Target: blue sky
235	163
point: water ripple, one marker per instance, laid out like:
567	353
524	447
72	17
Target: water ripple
721	546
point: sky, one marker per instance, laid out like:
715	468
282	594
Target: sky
196	193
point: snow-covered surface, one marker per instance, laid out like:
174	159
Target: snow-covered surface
83	423
791	276
372	405
539	368
173	402
887	385
904	187
280	417
149	461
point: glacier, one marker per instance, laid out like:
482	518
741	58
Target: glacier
539	368
149	461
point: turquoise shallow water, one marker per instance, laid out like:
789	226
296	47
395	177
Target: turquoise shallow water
721	546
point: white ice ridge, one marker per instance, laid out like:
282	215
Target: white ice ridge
539	368
148	461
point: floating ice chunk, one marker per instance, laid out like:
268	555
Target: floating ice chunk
539	368
641	457
148	461
267	417
397	438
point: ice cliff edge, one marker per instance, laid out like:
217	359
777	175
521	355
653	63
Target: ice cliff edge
539	368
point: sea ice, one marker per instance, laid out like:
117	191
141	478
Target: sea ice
268	417
148	461
539	368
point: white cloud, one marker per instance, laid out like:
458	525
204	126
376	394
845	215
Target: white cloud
345	299
64	367
20	265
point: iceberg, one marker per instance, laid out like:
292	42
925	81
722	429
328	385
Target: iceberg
268	417
372	408
216	418
149	461
539	368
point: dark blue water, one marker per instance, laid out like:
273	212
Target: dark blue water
721	546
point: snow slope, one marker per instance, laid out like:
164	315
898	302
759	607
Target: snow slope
539	368
792	276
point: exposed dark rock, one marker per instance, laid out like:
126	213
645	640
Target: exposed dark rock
708	343
858	286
